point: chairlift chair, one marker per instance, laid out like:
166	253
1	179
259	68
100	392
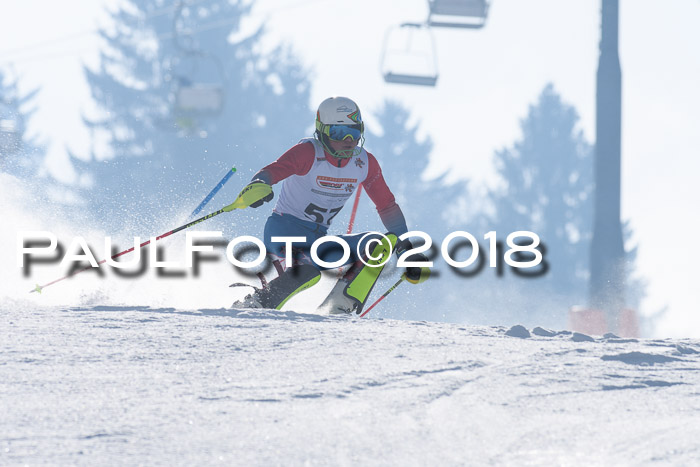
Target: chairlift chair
196	97
409	56
10	130
196	94
470	14
200	98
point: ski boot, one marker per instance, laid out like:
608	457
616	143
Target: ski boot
350	293
280	290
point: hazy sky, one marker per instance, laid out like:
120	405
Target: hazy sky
487	80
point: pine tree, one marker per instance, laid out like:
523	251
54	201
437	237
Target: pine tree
182	101
547	188
19	153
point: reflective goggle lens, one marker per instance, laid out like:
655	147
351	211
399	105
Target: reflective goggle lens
343	132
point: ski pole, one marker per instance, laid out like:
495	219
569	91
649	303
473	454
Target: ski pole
391	289
213	192
242	202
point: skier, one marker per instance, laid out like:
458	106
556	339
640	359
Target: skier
318	176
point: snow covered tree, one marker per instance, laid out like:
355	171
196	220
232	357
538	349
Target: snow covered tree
184	97
547	188
19	153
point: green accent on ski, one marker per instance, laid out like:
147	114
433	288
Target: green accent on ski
308	284
362	284
37	288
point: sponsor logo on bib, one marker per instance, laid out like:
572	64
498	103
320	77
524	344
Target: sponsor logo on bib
332	183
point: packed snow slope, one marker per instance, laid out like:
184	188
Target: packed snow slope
144	385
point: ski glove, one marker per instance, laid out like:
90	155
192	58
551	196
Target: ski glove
414	274
267	198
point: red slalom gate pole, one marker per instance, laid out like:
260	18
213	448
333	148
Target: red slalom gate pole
351	223
356	203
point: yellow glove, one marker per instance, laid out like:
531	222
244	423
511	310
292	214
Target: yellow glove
414	274
255	194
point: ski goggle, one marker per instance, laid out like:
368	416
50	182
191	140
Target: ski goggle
343	132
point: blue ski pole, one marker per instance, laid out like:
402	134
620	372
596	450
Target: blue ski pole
213	192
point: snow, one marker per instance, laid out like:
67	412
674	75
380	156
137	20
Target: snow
153	371
98	384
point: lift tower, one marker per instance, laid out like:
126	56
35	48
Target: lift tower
607	281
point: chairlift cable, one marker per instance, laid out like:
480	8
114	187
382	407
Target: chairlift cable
73	52
51	42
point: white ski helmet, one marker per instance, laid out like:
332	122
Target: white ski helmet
337	119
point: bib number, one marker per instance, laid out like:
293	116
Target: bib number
318	214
